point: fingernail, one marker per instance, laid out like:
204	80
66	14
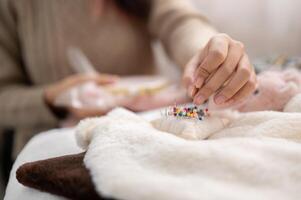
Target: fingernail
199	100
220	99
199	82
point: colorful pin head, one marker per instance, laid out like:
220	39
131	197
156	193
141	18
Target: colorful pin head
192	112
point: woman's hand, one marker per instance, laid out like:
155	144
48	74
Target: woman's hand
221	68
56	89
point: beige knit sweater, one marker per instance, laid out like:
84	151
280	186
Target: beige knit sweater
34	36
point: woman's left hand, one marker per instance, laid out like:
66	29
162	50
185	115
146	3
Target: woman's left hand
221	68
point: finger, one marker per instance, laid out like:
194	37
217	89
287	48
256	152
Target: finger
75	80
240	78
189	73
245	91
80	78
218	79
70	81
216	55
244	74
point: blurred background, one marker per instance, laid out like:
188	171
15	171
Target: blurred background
267	27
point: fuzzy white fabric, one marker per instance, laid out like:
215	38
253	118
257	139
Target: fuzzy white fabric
257	156
190	129
46	145
294	105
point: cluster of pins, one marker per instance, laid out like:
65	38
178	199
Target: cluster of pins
192	112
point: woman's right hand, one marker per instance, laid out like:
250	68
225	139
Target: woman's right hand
53	91
221	69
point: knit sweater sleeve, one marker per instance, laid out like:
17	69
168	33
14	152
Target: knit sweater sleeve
21	104
180	27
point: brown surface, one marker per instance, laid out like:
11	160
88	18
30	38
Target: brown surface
64	176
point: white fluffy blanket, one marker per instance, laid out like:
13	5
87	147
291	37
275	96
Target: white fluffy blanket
256	156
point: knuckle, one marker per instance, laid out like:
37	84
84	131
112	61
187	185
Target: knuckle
220	38
218	54
212	39
240	45
204	73
224	35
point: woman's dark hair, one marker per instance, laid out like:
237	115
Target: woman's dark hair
139	8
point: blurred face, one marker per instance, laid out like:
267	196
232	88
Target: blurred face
138	8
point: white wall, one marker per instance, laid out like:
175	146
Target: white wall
267	27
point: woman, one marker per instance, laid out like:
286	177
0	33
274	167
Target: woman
116	35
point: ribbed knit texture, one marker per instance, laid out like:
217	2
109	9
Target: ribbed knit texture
35	36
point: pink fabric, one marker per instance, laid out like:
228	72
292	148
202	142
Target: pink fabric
275	89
